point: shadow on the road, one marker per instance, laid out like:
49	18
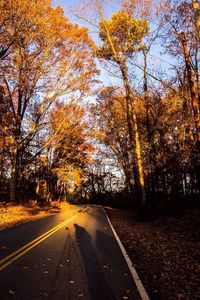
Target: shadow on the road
58	286
98	286
107	245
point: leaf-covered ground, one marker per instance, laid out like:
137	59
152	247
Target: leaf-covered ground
165	252
12	214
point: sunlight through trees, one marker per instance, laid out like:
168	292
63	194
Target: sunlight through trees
105	113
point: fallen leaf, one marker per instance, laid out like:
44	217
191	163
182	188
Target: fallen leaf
25	267
105	266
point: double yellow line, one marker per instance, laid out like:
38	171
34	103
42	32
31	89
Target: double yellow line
21	251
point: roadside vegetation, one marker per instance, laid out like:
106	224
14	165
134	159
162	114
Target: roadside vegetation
13	214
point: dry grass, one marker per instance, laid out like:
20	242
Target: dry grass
11	214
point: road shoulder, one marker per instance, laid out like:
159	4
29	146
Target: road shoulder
138	282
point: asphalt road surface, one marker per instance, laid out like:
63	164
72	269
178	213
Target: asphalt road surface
71	255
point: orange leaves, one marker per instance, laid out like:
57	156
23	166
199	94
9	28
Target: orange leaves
42	40
69	115
110	120
71	148
48	57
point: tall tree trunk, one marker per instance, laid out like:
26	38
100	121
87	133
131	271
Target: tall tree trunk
194	98
139	159
146	95
131	116
133	131
14	175
15	163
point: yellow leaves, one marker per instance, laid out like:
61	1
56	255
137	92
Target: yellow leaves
139	105
75	176
71	149
122	35
71	175
43	40
48	57
69	115
173	103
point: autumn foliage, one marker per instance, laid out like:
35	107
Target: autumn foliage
137	141
44	58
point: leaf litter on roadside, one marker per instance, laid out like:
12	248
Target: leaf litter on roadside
165	253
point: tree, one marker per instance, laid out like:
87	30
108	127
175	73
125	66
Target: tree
110	128
71	149
122	37
5	141
181	41
38	70
196	9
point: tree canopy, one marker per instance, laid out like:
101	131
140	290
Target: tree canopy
65	129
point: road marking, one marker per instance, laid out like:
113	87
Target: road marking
21	251
138	283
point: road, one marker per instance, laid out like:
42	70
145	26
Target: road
71	255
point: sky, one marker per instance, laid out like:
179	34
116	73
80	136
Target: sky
65	4
68	6
154	59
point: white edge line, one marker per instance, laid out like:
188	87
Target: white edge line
134	274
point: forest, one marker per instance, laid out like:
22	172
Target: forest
69	133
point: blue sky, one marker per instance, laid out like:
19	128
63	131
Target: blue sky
66	5
105	77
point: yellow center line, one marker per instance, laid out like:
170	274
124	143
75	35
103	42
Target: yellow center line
21	251
32	242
